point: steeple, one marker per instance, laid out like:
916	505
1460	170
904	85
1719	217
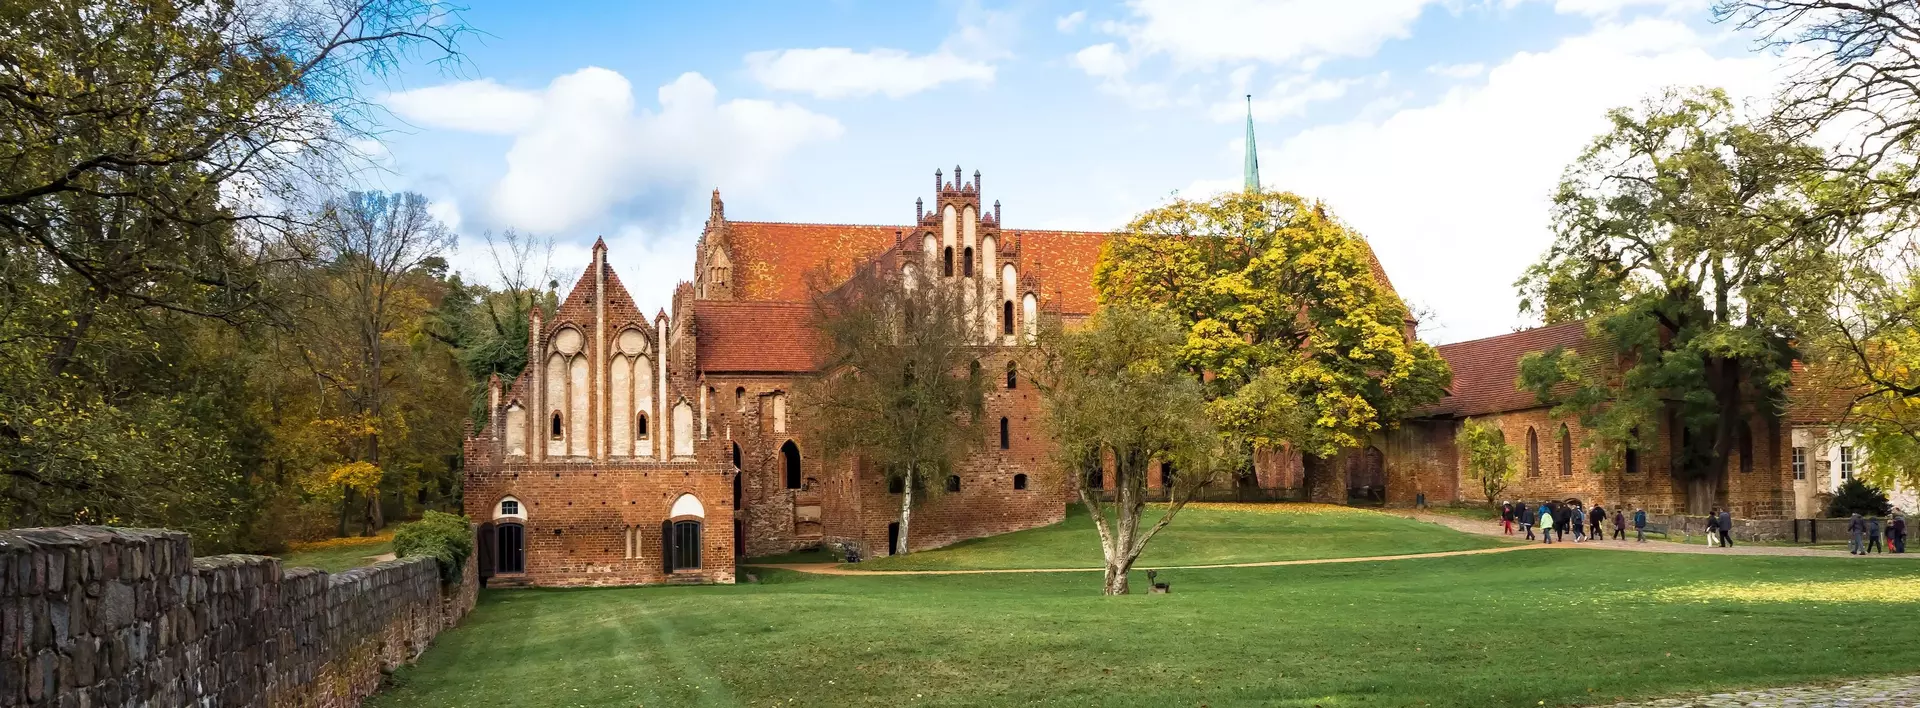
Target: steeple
1253	158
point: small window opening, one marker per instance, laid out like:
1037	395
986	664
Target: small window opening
740	398
949	262
953	483
557	428
896	485
1006	317
1019	481
1013	374
966	265
640	425
509	507
1006	439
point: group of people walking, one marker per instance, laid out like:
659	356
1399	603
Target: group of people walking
1864	535
1556	520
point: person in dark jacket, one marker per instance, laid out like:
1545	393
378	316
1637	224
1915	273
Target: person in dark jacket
1640	525
1726	528
1619	525
1523	515
1713	529
1506	518
1873	535
1897	534
1597	518
1856	531
1562	518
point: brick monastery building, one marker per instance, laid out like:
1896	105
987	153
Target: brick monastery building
636	449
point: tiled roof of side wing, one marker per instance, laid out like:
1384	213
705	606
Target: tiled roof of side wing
775	259
1486	372
755	337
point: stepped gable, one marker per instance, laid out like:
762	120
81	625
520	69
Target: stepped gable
773	259
1486	372
754	337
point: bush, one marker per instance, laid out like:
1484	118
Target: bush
1857	497
445	537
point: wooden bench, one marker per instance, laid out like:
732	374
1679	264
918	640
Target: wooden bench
1661	529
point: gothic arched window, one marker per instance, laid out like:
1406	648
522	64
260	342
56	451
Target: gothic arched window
966	265
1013	375
557	429
1533	453
1006	440
1006	317
953	483
1566	451
948	269
790	463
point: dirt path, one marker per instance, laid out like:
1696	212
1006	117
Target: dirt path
1492	528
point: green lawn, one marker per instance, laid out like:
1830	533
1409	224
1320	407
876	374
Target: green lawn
339	554
1566	626
1203	535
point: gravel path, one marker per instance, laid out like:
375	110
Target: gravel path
1491	528
1900	691
836	569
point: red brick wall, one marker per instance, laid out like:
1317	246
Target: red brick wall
591	506
1764	492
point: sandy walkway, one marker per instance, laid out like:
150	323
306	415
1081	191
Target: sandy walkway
1490	528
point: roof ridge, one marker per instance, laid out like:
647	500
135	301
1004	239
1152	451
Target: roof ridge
1003	229
1515	333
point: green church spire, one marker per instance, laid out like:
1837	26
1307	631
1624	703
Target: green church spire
1253	158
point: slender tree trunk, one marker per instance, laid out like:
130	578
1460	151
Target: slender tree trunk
906	514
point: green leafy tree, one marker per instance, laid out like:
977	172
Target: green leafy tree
1295	341
1689	238
1490	461
901	388
1119	399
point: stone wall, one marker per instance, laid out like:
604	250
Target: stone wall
99	616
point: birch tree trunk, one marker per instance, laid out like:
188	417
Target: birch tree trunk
906	514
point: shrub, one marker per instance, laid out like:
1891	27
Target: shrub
1857	497
445	537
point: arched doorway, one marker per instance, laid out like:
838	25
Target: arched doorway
509	536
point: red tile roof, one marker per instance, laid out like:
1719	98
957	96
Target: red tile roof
1486	372
768	337
1818	396
773	260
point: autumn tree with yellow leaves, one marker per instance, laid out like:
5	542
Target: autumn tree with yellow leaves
1295	342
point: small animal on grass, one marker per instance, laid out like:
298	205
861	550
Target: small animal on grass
1159	588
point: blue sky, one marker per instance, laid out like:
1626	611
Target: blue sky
1435	127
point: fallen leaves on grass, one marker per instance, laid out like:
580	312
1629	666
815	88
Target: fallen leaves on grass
342	542
1884	590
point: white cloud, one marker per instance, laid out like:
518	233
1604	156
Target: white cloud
1107	63
474	106
1454	195
1070	21
1210	32
838	72
447	211
980	38
1608	8
1288	97
584	147
1458	71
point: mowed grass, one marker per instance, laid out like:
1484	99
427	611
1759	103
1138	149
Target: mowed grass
337	554
1541	626
1203	534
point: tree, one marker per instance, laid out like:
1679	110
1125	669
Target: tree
487	327
1293	338
367	312
1489	459
1858	70
1689	238
1119	397
151	157
900	384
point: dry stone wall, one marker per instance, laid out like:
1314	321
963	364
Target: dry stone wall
99	616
